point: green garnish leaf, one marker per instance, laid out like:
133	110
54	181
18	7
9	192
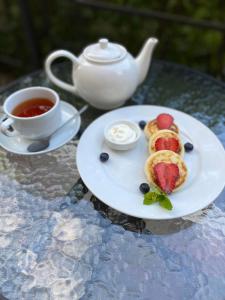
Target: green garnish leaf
150	198
165	202
157	195
156	190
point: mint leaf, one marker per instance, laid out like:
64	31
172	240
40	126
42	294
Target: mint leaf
156	195
165	202
150	198
156	190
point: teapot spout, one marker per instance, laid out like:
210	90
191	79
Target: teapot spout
143	60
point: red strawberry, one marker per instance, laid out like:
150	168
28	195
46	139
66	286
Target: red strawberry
160	171
166	176
171	144
164	121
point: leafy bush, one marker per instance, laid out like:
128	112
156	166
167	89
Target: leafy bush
65	24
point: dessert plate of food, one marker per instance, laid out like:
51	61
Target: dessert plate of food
151	162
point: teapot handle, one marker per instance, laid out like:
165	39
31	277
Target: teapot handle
61	53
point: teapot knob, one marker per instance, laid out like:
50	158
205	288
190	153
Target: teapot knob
103	43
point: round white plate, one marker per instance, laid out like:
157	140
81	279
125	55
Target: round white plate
116	182
18	145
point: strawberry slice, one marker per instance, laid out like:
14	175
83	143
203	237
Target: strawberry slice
166	176
164	121
171	144
160	171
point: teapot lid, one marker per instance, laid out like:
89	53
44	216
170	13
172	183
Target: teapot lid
104	52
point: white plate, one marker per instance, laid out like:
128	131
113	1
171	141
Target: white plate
18	145
117	181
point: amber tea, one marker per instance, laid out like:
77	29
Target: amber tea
32	107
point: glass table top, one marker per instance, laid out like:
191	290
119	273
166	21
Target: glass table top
57	241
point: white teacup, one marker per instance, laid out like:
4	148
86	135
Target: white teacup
36	127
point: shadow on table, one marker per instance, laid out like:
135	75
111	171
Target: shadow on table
159	227
138	225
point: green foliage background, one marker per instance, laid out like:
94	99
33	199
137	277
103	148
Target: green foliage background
67	25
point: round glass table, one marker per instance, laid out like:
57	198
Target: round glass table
58	241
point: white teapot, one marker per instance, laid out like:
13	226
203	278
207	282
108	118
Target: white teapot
105	74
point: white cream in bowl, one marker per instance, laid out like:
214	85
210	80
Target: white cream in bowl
122	135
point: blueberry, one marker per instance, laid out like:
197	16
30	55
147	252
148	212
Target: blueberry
188	147
142	124
144	188
104	157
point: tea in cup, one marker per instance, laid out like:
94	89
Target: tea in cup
33	113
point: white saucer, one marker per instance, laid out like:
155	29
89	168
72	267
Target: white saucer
18	145
116	182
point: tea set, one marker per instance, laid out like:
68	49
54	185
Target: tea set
105	75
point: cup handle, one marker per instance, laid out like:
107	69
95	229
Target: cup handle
61	53
6	127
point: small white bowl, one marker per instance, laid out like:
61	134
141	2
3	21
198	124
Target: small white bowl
124	146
